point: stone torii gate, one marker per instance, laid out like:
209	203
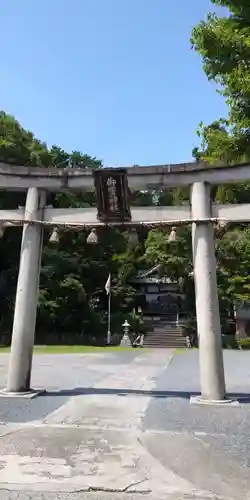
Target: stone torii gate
201	214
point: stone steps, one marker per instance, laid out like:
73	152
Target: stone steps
166	335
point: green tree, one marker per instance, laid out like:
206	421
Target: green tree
233	259
175	258
72	301
224	45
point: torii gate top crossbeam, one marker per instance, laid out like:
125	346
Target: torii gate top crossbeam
79	179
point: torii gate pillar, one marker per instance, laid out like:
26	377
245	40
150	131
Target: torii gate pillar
19	373
212	379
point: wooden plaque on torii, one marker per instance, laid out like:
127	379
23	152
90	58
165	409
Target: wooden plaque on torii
112	194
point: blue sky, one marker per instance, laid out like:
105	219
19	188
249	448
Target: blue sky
115	79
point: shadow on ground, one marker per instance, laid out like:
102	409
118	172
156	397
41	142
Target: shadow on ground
86	391
17	410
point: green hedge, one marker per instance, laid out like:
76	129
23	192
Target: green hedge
244	343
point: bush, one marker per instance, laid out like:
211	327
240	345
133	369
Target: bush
244	343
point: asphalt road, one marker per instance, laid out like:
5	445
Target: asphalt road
120	425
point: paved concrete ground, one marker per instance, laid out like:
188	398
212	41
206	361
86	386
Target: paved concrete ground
119	425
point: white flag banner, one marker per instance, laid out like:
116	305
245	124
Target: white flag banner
108	285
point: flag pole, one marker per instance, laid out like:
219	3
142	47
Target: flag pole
108	290
109	314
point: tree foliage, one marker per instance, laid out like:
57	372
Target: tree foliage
224	45
72	301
